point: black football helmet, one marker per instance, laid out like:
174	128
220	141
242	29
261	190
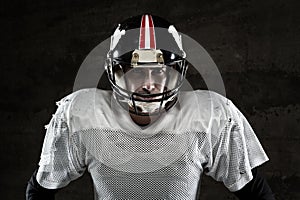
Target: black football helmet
146	64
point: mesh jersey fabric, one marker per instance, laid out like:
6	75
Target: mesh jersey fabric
203	133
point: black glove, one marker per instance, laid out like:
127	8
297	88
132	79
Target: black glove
35	191
257	189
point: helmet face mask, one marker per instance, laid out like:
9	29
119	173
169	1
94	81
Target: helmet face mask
145	77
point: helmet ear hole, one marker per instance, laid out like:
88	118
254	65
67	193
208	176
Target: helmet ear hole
118	69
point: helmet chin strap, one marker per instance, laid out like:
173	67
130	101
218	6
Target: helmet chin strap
146	107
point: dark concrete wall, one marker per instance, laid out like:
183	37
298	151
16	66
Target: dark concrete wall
255	45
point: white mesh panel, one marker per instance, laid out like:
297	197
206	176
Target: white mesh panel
179	180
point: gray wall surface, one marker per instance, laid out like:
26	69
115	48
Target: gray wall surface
255	45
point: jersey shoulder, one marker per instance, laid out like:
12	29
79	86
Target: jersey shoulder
214	103
82	106
222	105
82	100
208	110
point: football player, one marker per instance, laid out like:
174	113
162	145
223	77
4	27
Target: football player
147	139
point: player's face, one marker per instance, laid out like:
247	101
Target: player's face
150	79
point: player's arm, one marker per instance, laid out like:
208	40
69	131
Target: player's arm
61	161
257	188
236	154
35	191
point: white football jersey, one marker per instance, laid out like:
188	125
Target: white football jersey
203	133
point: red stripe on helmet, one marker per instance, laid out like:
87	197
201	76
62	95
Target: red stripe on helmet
142	33
152	33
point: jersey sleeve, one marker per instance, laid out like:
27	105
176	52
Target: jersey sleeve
235	151
60	160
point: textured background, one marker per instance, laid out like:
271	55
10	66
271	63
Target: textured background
255	45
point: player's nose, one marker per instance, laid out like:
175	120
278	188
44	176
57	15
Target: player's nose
148	84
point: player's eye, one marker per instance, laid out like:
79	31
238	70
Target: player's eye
137	70
137	73
158	71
